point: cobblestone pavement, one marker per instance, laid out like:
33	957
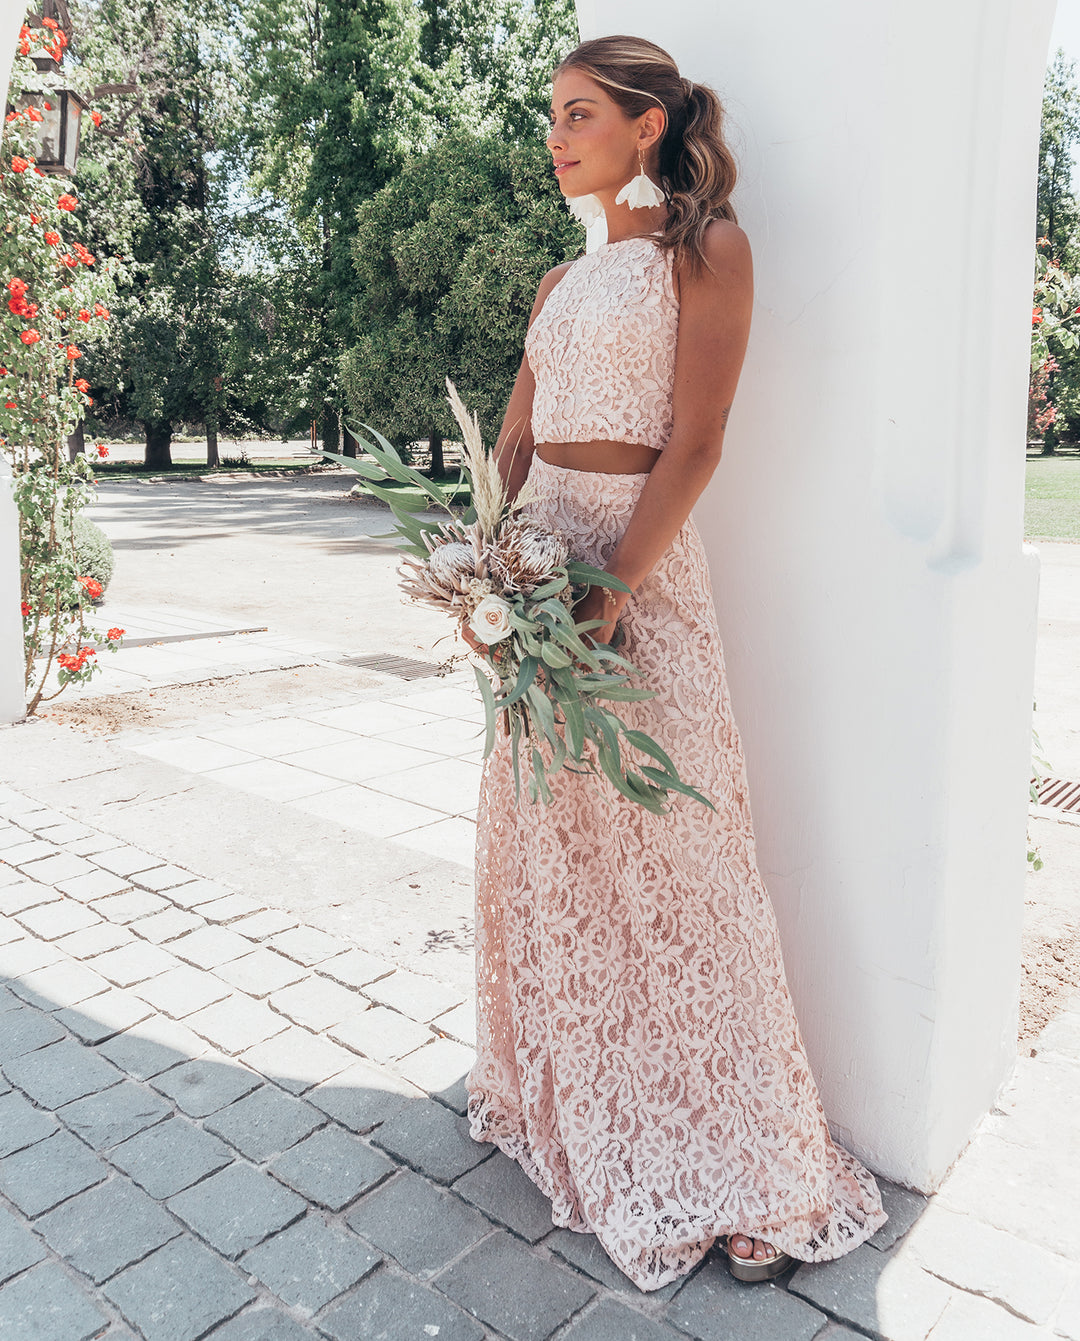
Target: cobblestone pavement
235	1015
217	1121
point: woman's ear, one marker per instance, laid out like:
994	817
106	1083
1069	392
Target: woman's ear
651	128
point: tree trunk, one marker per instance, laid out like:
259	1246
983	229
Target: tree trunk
438	466
331	428
212	458
349	445
158	444
76	443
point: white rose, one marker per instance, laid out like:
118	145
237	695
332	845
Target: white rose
491	620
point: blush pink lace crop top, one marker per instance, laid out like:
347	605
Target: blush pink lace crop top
602	349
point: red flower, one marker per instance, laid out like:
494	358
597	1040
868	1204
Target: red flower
10	405
68	260
17	305
91	586
17	287
47	106
83	255
76	663
50	23
102	312
1036	316
66	202
30	337
11	116
95	117
26	609
73	352
35	218
102	451
19	164
82	384
24	46
52	238
83	314
34	114
114	635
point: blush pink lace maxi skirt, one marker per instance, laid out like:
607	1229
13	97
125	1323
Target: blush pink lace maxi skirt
638	1052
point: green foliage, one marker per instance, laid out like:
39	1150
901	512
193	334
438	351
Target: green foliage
448	257
186	316
343	93
56	292
93	551
1058	215
1054	393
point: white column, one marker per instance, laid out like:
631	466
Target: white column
877	604
12	697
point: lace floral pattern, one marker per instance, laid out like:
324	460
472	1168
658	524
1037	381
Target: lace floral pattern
638	1052
616	310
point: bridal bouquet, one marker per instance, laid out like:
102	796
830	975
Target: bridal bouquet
512	581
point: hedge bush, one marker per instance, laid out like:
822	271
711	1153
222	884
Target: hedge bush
93	551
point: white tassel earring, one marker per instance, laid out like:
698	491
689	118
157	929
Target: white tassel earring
587	209
641	192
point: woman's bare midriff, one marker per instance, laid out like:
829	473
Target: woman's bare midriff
609	458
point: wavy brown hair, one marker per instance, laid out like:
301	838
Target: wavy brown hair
697	169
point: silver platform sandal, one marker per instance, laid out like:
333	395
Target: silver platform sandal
755	1269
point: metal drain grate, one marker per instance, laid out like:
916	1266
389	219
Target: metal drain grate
403	667
1060	794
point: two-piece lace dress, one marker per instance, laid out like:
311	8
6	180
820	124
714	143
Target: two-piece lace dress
638	1052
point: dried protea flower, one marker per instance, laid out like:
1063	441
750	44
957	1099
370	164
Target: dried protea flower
525	554
451	561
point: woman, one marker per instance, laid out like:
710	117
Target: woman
638	1052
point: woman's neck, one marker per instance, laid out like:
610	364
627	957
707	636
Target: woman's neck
623	222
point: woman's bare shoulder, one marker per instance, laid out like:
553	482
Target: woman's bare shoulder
726	247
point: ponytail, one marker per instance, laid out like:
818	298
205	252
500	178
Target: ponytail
697	169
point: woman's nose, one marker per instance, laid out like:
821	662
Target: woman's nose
554	140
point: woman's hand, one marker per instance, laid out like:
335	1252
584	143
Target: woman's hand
597	604
471	639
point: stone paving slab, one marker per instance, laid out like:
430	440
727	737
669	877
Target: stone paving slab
192	1149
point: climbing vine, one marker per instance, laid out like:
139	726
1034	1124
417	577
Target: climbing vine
55	296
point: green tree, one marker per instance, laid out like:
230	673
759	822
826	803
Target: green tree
1058	215
344	93
448	257
165	132
1055	389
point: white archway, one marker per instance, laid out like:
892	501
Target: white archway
865	531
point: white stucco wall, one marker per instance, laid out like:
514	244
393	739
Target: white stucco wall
12	699
877	604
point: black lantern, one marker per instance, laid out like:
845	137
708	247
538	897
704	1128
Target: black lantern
61	109
58	130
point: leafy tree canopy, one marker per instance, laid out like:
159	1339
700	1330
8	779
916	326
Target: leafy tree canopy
448	257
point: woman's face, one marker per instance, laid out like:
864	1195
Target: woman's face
593	143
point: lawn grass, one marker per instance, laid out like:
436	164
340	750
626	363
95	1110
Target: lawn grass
1052	497
187	470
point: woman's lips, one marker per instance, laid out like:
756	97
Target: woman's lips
560	168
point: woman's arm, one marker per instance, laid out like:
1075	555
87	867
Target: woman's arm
515	444
714	326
